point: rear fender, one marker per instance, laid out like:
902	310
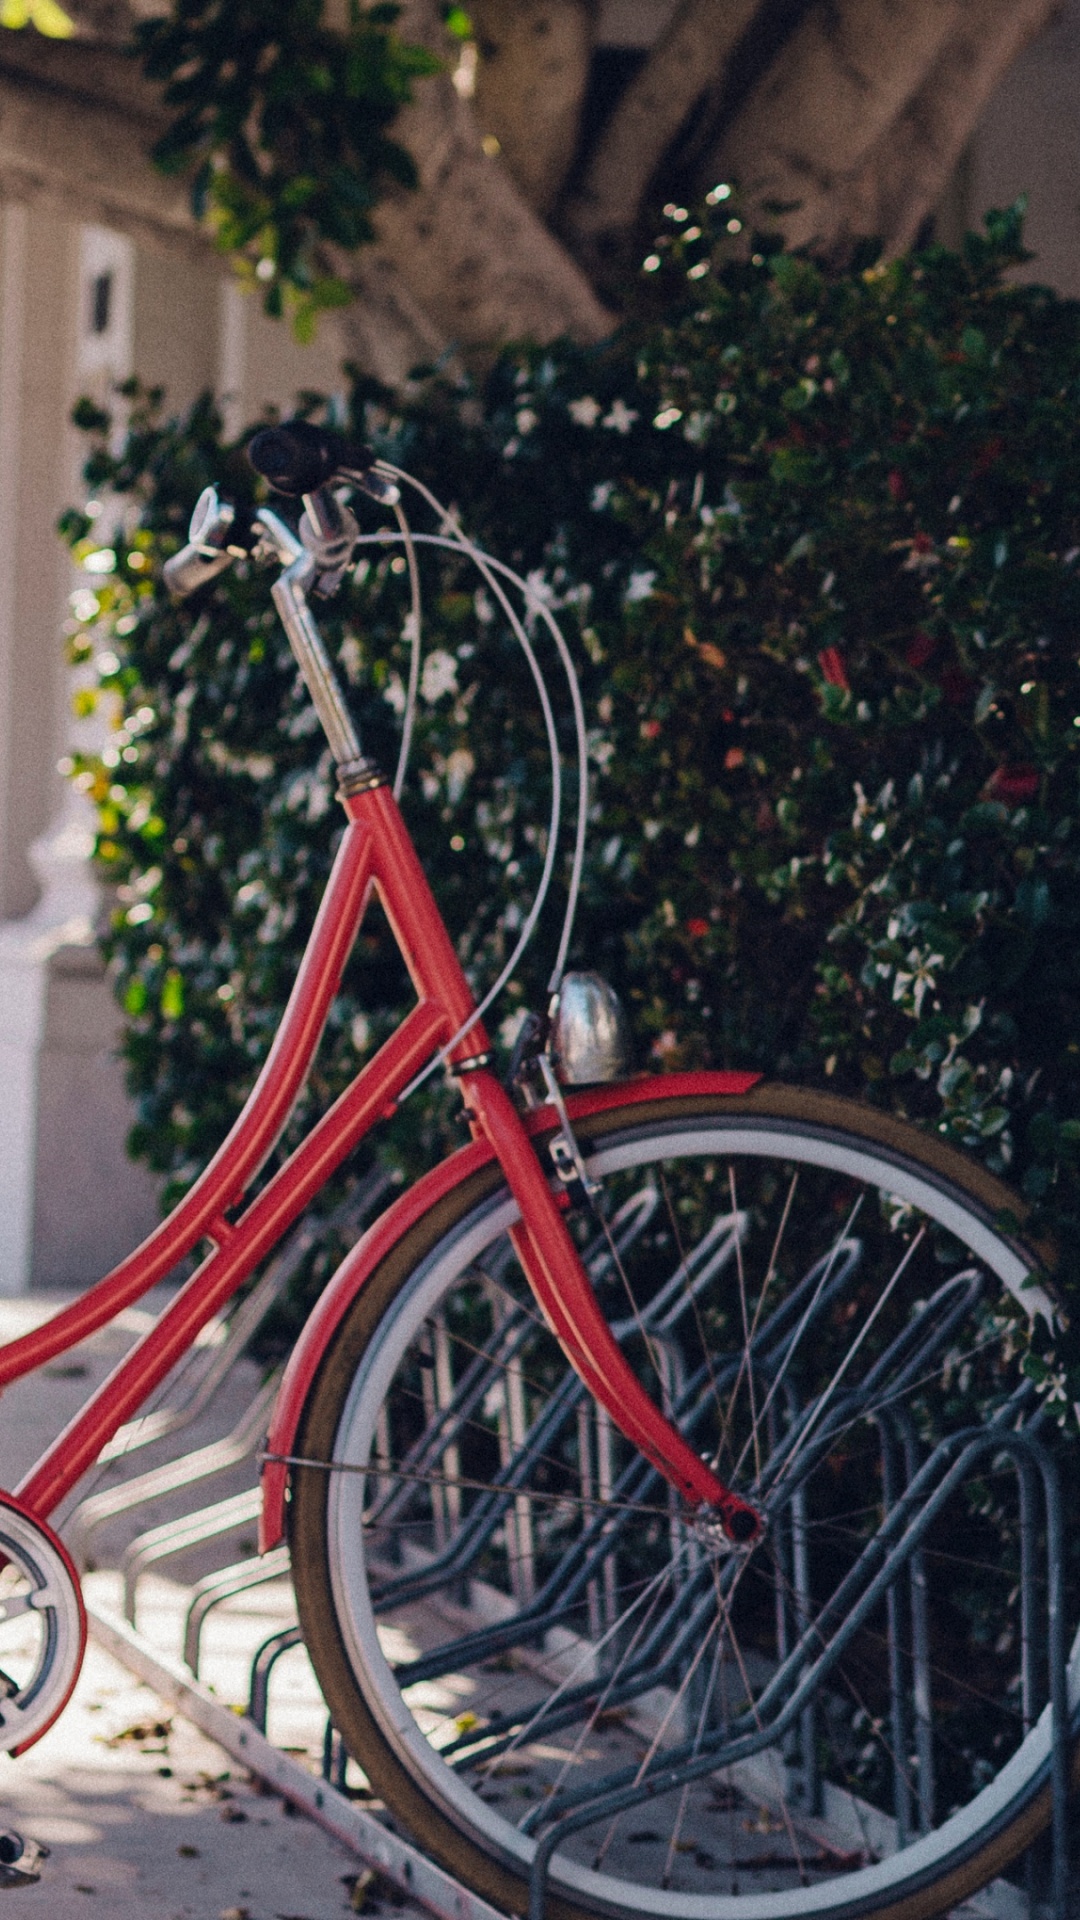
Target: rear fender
383	1235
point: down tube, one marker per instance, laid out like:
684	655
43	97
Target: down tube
265	1111
270	1215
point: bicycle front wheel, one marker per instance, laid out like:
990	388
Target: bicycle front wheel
526	1640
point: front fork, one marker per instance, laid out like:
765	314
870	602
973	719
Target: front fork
564	1293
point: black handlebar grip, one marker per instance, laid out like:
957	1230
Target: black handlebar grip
298	457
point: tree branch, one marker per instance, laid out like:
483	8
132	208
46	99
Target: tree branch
689	57
530	85
465	242
837	85
910	166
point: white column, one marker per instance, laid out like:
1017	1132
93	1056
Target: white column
232	356
22	995
13	248
67	1196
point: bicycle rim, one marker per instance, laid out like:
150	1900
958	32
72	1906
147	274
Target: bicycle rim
513	1621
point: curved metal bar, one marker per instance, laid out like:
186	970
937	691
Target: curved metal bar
902	1532
262	1666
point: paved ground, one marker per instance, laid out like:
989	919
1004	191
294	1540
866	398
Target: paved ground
146	1819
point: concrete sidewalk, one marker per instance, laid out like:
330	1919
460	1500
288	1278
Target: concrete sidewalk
147	1819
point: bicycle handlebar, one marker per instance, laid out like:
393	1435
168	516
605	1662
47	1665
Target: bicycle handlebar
299	460
298	457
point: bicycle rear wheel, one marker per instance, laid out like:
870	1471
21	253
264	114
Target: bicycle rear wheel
519	1631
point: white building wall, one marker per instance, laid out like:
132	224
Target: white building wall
1027	143
71	1203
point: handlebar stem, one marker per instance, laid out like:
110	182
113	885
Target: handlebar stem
290	598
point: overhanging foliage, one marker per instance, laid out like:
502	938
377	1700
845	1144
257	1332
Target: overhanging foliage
284	123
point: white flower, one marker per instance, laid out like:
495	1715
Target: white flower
511	1027
586	411
460	767
539	590
621	417
526	420
667	417
920	980
439	676
639	586
601	495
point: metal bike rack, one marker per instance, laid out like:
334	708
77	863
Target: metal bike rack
243	1736
263	1665
176	1536
206	1463
915	1490
909	1514
161	1482
408	1870
238	1327
215	1588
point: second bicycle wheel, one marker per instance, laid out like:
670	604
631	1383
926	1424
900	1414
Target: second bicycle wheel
522	1634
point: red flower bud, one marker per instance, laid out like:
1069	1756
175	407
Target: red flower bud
831	662
896	484
1013	785
697	928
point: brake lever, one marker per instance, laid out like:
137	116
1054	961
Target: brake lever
217	536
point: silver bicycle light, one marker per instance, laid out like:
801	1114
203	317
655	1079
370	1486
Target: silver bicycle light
590	1034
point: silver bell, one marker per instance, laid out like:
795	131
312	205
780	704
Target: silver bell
590	1034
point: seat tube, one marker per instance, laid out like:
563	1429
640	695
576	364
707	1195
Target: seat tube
415	920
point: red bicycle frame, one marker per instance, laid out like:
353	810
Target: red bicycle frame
376	854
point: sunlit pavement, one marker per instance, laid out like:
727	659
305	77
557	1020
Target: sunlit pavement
147	1820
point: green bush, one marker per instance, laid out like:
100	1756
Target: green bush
815	541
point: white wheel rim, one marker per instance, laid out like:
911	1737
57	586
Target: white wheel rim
859	1890
54	1598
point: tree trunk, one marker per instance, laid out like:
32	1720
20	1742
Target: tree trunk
849	114
910	165
530	84
805	131
690	57
466	243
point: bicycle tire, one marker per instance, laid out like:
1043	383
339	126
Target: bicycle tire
917	1177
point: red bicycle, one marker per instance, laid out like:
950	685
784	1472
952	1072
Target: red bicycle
673	1529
